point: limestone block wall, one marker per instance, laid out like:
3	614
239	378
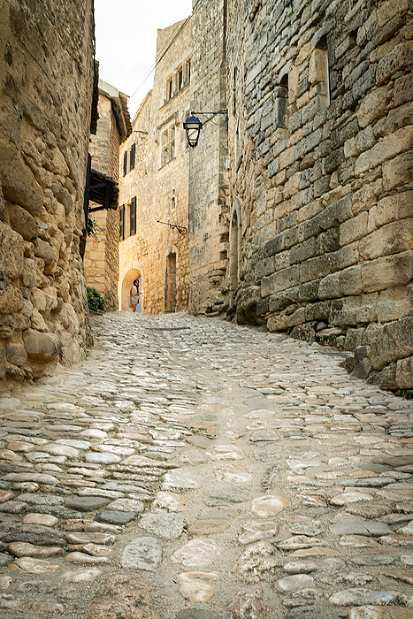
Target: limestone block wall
324	116
208	185
46	83
101	258
158	252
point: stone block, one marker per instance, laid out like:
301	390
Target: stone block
18	182
392	238
11	300
351	311
308	291
350	281
395	303
353	229
388	271
317	267
404	373
22	222
398	171
389	9
41	347
281	280
317	311
397	59
329	286
403	89
278	302
389	342
29	274
2	363
16	354
44	250
392	208
12	252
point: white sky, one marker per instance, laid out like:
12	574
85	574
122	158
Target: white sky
126	41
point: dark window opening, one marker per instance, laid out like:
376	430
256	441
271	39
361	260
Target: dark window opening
125	163
132	220
122	222
180	79
132	157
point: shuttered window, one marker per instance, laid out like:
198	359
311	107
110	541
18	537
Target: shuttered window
132	220
122	222
125	163
132	157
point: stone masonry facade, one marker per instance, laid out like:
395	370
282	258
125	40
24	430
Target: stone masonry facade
318	219
46	86
154	164
101	260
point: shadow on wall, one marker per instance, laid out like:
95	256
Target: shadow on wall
126	286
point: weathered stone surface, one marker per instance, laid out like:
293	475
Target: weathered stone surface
123	596
144	553
168	526
18	182
87	504
41	347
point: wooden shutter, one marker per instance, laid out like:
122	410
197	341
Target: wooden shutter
122	222
132	220
132	157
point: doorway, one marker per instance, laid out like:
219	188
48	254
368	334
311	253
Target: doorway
170	302
126	286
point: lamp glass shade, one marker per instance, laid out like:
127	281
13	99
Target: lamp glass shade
192	126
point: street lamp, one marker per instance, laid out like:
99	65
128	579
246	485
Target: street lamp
193	125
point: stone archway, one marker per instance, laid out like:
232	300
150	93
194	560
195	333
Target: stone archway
125	286
235	248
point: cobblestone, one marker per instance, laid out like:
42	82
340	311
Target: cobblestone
249	459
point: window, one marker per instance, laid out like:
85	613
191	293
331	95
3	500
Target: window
132	217
122	222
180	79
188	71
132	157
281	104
125	163
319	72
169	89
168	145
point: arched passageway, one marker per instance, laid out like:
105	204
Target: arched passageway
127	282
170	293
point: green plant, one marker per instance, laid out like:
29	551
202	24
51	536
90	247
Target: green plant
91	227
95	300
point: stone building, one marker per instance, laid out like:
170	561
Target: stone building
101	259
319	228
154	164
47	82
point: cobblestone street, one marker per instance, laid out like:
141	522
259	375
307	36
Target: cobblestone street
195	469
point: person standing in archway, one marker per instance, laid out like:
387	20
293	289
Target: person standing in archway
134	293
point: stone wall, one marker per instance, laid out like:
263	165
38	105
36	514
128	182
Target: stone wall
46	73
101	258
208	187
158	252
320	137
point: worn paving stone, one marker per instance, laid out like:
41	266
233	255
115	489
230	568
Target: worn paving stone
168	526
123	596
143	553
